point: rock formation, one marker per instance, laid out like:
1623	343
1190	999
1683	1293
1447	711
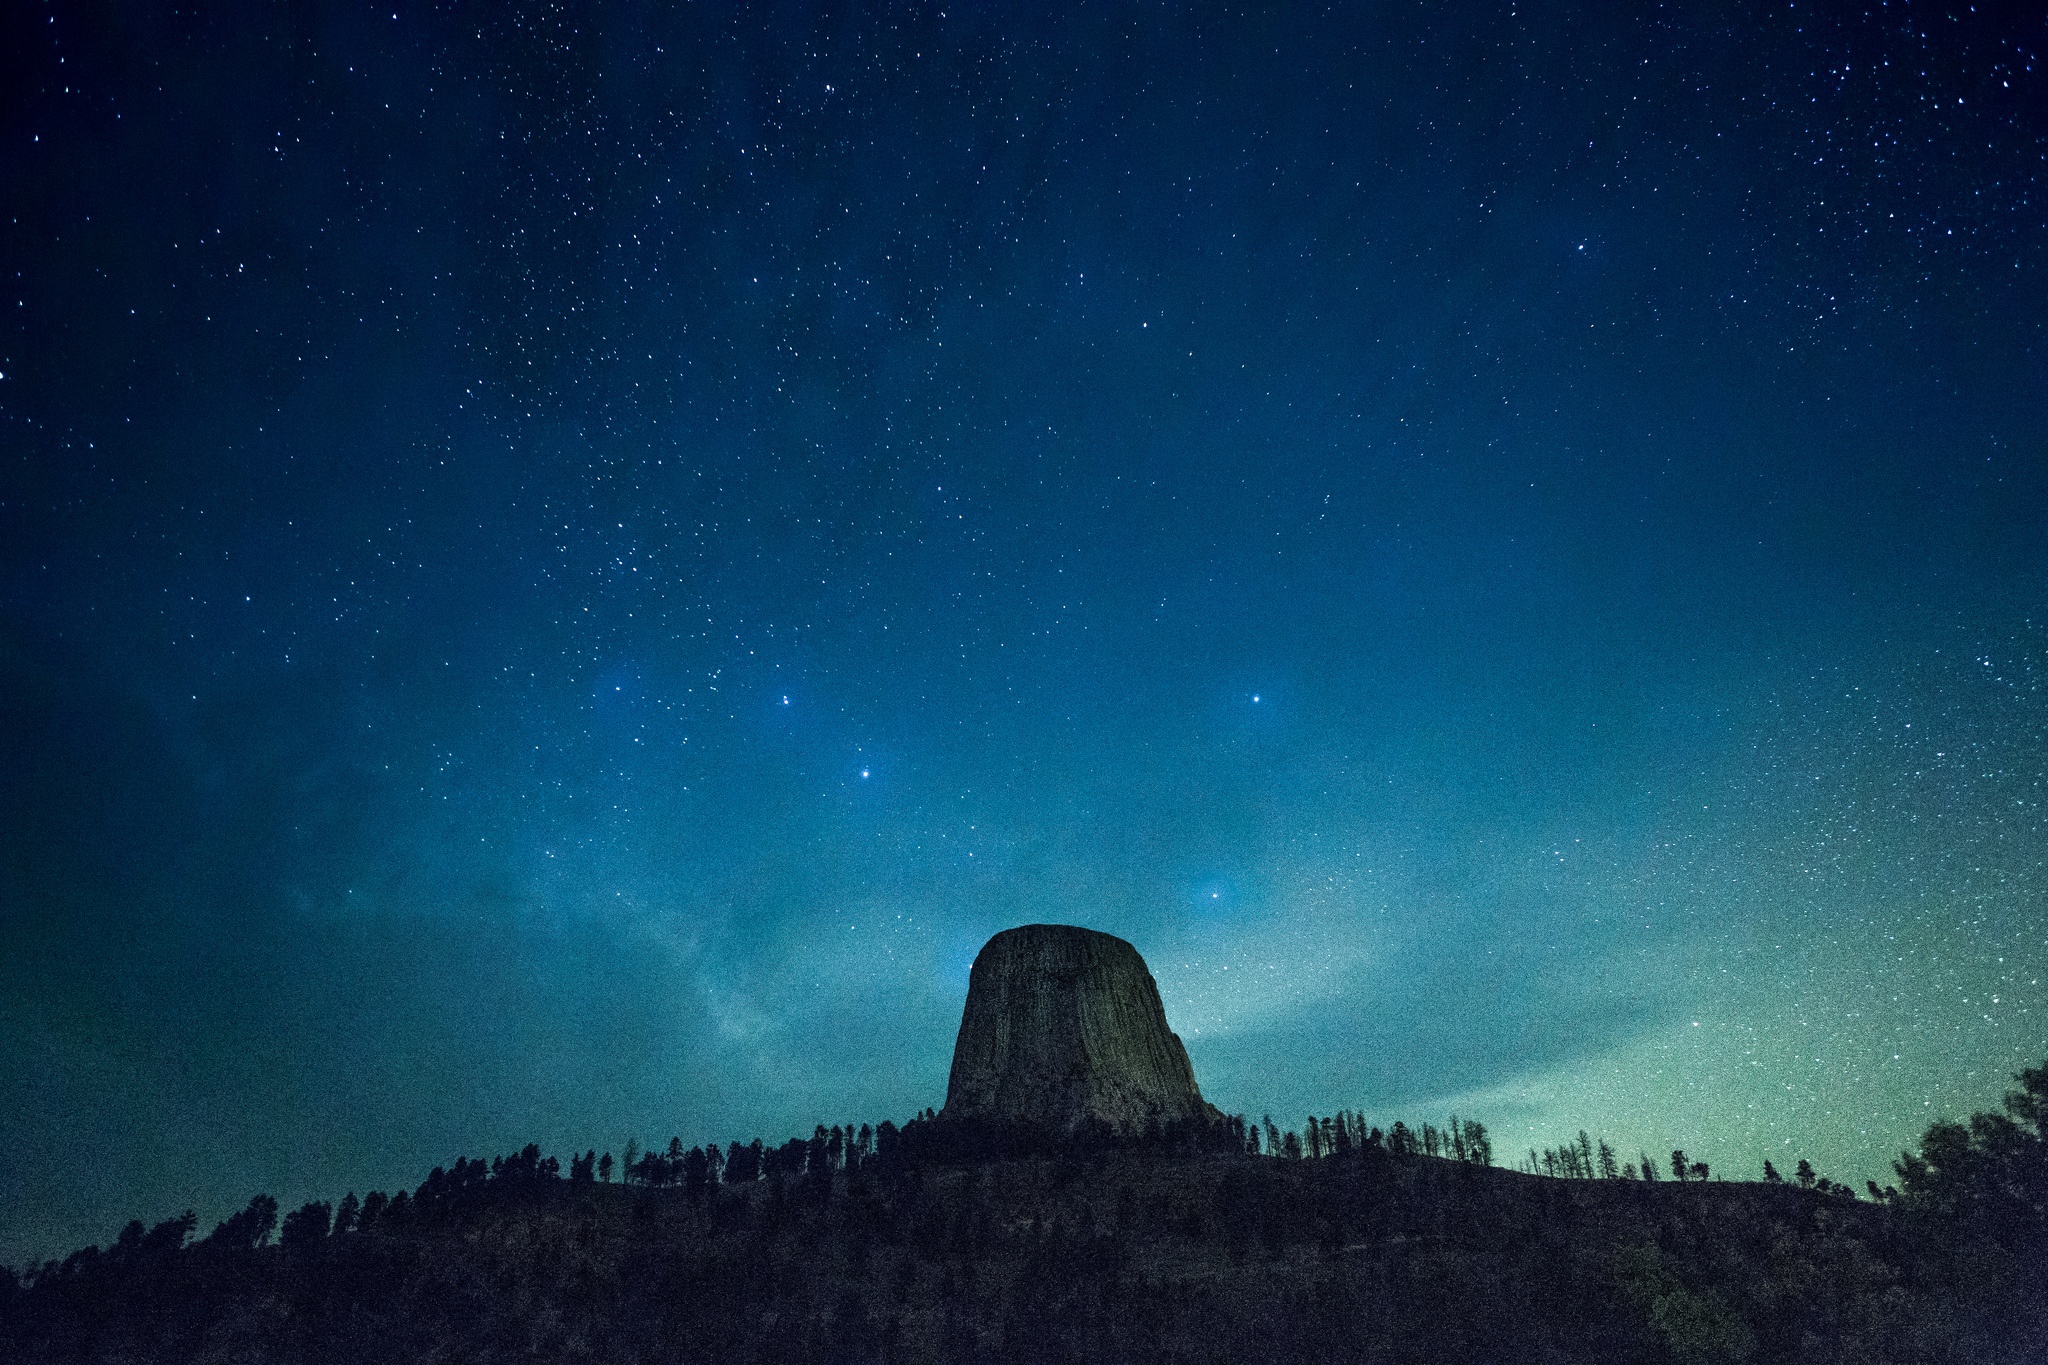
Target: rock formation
1063	1028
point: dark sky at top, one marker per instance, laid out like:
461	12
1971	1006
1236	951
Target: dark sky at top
560	571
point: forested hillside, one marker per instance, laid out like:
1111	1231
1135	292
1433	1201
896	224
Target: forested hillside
929	1245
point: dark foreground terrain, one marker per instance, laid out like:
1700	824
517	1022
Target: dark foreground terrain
1132	1255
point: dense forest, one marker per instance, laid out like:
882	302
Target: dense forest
1230	1242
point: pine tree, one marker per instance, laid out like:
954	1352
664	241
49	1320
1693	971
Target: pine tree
252	1226
305	1226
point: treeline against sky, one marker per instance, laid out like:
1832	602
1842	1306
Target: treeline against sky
1584	1159
1220	1241
881	1149
926	1138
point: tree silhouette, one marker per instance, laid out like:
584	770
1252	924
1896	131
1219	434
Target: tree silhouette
788	1159
305	1226
1991	1176
248	1229
743	1163
696	1172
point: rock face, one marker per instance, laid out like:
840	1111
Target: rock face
1063	1027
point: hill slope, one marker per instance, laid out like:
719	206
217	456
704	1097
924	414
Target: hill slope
1129	1255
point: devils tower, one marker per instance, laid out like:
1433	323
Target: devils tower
1063	1028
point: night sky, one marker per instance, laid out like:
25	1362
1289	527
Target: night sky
560	572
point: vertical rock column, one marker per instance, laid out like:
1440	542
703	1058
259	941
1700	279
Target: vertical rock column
1063	1026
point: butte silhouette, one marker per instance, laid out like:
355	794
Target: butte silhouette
1064	1030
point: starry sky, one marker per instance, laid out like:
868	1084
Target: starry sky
562	568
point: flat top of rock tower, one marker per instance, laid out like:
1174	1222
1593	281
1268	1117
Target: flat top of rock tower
1073	932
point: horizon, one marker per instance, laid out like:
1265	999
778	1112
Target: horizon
1646	1165
1357	1132
561	573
